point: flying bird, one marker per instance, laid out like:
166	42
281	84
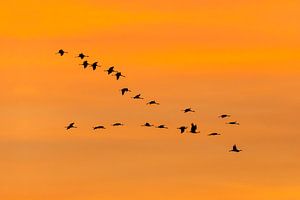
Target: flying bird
194	128
110	70
224	116
214	134
85	64
188	110
81	56
147	124
94	65
152	103
61	52
233	123
117	124
161	126
99	127
235	149
118	75
71	125
182	129
124	90
138	96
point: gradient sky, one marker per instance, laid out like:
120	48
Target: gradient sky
237	57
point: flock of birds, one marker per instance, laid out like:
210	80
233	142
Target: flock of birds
111	71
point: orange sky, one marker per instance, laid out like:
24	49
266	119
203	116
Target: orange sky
236	57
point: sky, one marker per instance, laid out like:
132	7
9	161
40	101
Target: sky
218	57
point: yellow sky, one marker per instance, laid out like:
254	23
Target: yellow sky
236	57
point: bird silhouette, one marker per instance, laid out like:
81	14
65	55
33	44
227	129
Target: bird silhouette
118	75
71	125
152	103
81	56
161	126
233	123
182	129
188	110
94	65
138	96
118	124
214	134
224	116
147	124
194	129
110	70
99	127
85	64
124	90
61	52
235	149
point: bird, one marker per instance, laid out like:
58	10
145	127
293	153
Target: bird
110	70
71	125
224	116
94	65
194	129
118	124
233	123
214	134
235	149
188	110
162	126
81	56
138	96
61	52
124	90
85	64
182	128
152	103
147	124
118	75
99	127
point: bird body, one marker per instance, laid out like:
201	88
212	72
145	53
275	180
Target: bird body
118	75
152	103
138	96
182	129
224	116
214	134
99	127
85	64
110	70
94	65
117	124
82	56
194	129
147	124
235	149
161	126
188	110
124	90
71	125
61	52
233	123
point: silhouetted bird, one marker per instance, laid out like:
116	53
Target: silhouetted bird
124	90
161	126
137	97
224	116
118	75
152	103
188	110
235	149
94	65
81	56
182	129
117	124
61	52
214	134
99	127
233	123
85	64
147	124
194	128
110	70
71	125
